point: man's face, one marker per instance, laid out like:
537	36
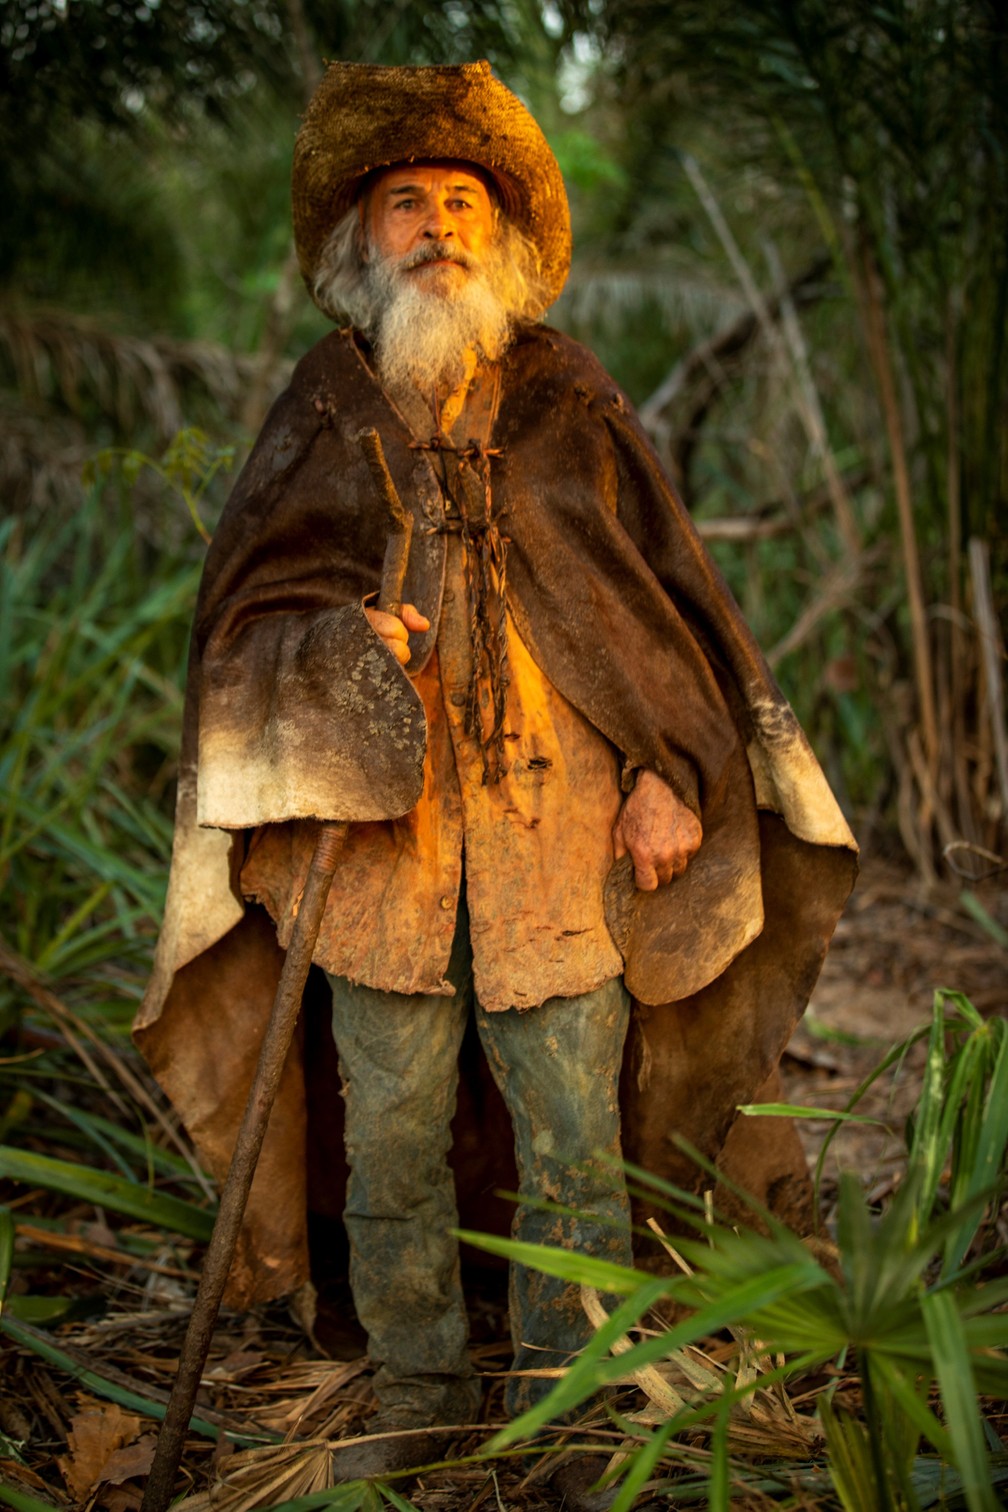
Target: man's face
418	214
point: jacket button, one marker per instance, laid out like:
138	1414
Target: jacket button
447	902
458	699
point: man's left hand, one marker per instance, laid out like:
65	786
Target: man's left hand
660	833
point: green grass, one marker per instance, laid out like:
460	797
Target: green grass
92	649
93	633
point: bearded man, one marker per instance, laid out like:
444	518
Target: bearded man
624	862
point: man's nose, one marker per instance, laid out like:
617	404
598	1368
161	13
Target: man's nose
438	225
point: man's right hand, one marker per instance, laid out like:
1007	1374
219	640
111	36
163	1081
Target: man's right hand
395	631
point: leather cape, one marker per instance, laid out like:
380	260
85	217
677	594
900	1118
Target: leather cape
615	595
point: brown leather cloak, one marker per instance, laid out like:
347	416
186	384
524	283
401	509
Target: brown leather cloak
720	963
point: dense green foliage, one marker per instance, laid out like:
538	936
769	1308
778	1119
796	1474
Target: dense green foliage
93	648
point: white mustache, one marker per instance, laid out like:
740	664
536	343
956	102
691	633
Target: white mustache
437	251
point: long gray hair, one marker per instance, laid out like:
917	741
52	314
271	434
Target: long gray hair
341	287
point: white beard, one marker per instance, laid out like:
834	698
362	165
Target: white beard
426	325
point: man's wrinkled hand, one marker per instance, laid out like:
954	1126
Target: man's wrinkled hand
658	831
395	631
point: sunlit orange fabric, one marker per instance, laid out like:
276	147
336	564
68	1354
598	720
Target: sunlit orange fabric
537	847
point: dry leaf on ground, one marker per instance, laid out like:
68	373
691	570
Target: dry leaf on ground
133	1461
95	1436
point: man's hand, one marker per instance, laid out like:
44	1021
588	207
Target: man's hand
395	631
661	834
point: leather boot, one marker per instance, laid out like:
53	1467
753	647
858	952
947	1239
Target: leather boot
388	1448
572	1481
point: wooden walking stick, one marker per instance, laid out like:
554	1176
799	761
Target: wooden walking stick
272	1055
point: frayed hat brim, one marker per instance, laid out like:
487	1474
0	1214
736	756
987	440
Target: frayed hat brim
363	117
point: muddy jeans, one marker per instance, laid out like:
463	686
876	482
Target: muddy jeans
557	1067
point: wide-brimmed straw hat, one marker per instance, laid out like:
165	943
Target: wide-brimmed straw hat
364	117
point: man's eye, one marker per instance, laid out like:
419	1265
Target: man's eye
405	204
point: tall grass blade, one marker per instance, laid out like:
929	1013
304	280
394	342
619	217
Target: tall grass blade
892	1058
21	1501
584	1270
961	1005
802	1110
929	1144
991	1143
104	1190
851	1467
393	1499
642	1466
976	910
729	1303
46	1312
959	1399
358	1496
142	1147
30	1338
583	1376
720	1474
902	1385
6	1251
85	1125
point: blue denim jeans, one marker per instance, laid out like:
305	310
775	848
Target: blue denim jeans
557	1067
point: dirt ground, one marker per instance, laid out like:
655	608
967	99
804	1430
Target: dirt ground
67	1443
896	945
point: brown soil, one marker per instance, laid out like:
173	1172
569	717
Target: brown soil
897	945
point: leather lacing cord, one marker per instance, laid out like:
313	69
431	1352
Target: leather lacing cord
466	473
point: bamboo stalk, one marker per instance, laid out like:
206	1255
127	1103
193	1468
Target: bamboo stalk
957	648
993	655
806	399
875	327
815	422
